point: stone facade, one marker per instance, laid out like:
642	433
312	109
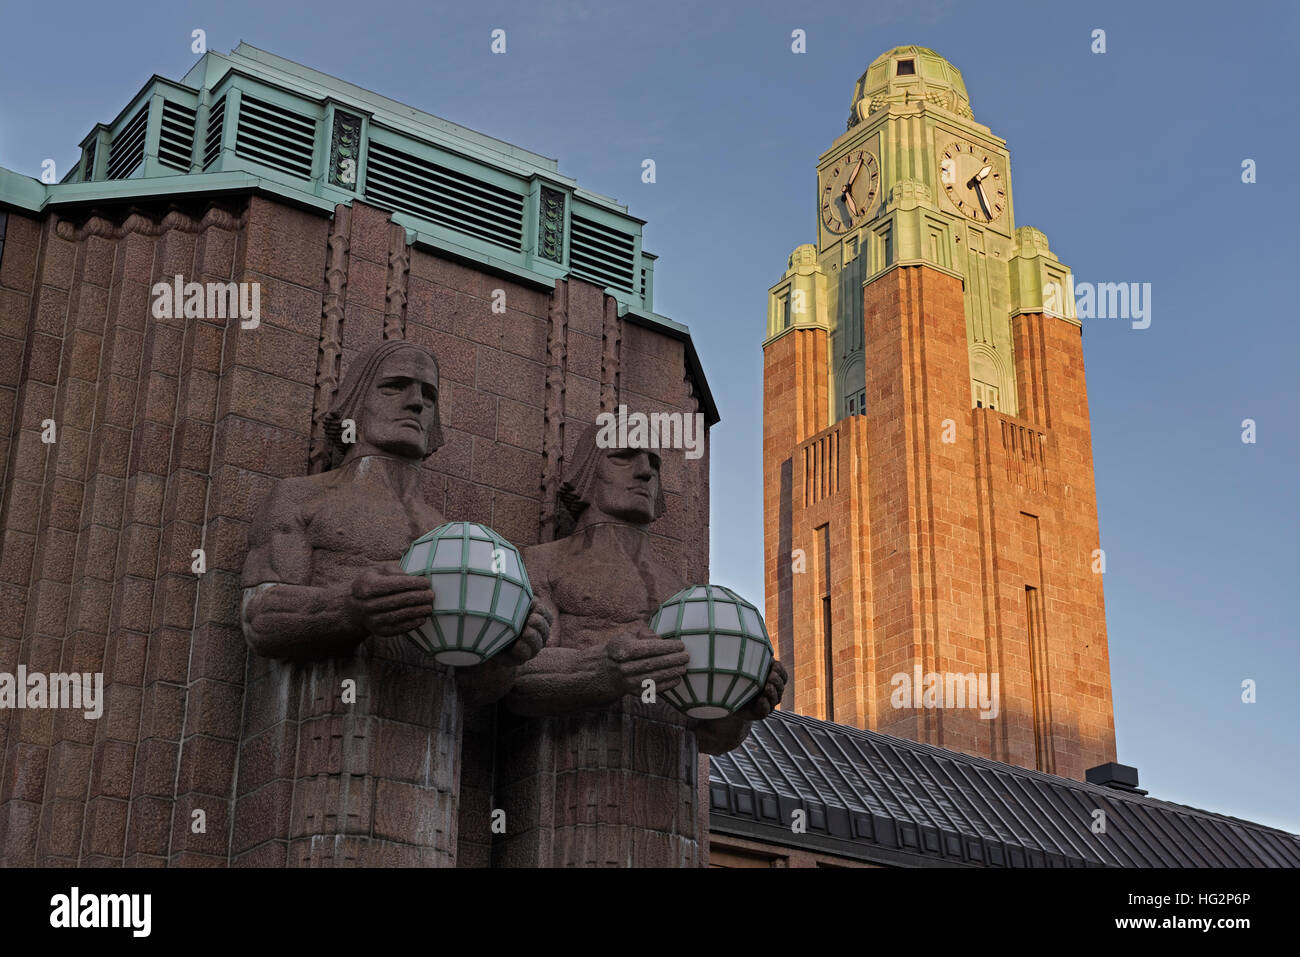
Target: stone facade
170	433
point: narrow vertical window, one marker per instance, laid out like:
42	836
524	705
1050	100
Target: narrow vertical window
830	663
1038	679
828	635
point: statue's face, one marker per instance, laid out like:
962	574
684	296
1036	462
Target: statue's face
402	406
627	485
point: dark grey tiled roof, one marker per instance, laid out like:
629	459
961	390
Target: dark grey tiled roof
885	799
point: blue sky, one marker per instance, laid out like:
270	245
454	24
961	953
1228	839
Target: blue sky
1129	161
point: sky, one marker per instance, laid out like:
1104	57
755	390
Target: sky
1129	160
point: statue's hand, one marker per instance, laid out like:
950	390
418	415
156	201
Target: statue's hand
491	680
631	658
384	600
765	702
532	639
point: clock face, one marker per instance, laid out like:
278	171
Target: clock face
849	190
971	176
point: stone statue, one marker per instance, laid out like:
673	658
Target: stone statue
590	772
600	585
322	570
360	726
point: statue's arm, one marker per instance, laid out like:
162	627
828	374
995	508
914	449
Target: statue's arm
283	616
562	680
490	681
559	679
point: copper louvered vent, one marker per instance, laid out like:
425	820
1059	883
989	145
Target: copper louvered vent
400	181
605	256
126	155
216	127
88	163
176	136
275	137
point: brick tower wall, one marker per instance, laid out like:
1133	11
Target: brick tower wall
939	553
795	384
1054	396
924	541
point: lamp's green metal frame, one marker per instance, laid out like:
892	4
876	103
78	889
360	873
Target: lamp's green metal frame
468	532
683	696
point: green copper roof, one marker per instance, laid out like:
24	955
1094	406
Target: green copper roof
907	74
250	120
291	76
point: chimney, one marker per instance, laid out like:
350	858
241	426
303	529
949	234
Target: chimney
1121	777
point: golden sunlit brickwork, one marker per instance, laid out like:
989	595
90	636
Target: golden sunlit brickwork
929	502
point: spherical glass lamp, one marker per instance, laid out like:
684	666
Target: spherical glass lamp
730	651
481	593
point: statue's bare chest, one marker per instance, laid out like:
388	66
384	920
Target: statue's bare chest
600	596
617	591
369	524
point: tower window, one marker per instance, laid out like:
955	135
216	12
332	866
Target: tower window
857	403
985	395
906	68
784	305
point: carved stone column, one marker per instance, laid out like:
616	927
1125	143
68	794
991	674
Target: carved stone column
610	788
350	762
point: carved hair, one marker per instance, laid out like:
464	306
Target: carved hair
351	396
579	486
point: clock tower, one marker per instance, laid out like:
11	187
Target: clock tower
932	560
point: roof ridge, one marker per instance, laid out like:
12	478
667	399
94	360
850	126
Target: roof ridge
1114	793
268	59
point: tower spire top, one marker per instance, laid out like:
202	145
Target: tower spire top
907	74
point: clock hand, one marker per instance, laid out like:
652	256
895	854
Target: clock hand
984	203
983	173
848	200
854	175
